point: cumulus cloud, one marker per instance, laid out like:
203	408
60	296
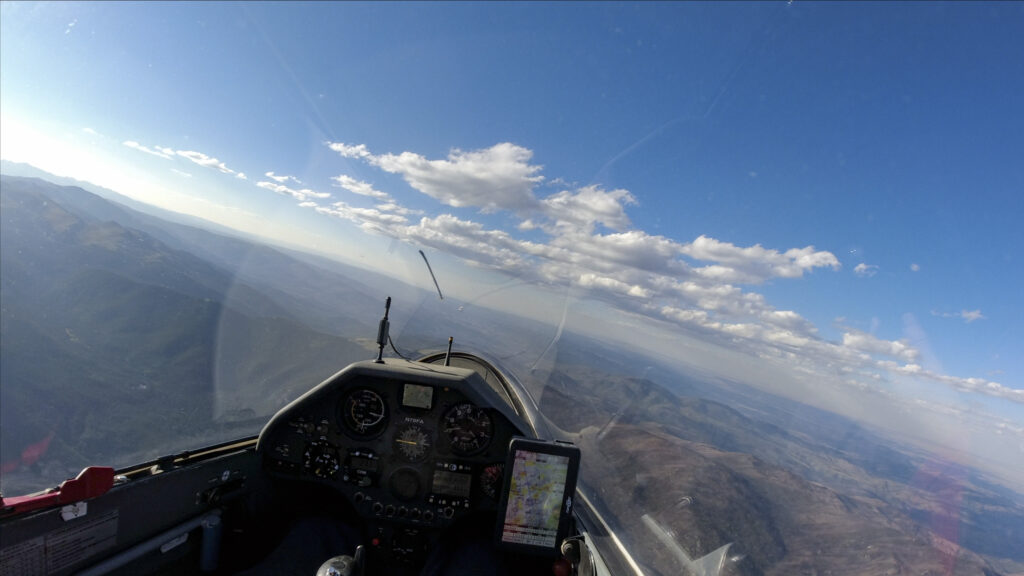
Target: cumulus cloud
158	151
753	337
392	206
495	178
727	311
865	270
755	264
588	205
348	151
282	179
300	195
583	237
914	267
501	177
204	160
368	218
614	285
872	345
359	187
471	241
967	315
633	249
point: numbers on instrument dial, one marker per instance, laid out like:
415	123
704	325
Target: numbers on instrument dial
412	443
468	427
364	413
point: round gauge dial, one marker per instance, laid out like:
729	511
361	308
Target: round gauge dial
490	480
412	443
364	412
468	427
405	484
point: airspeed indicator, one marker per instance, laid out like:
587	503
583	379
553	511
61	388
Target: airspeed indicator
364	412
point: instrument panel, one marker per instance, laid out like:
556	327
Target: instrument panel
407	443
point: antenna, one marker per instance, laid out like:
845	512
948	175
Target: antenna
448	355
431	270
382	332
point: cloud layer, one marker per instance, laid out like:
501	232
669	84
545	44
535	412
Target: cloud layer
581	236
588	242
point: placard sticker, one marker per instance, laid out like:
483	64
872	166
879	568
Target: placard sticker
22	559
79	541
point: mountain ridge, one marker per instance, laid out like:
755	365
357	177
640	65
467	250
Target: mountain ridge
94	310
186	348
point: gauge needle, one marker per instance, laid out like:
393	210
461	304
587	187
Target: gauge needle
406	441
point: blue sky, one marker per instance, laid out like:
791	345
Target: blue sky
880	143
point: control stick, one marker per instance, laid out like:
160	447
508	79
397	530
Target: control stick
343	565
338	566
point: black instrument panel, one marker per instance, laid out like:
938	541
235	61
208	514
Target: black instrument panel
405	442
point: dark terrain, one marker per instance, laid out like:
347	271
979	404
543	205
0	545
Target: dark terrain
126	336
787	501
114	342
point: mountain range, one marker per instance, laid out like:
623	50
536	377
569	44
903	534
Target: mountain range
115	340
128	333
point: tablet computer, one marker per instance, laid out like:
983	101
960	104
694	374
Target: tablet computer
535	510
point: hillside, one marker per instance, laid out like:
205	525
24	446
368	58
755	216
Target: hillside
105	330
788	503
125	337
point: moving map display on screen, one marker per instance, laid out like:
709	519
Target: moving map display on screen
541	479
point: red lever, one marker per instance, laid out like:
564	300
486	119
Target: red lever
90	483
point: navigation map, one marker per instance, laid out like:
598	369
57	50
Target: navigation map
535	498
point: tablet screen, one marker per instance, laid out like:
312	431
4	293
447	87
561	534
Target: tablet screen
536	503
535	499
